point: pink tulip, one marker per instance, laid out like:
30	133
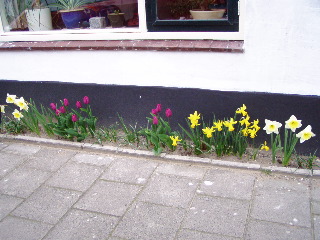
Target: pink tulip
62	109
154	111
53	106
155	120
57	112
65	102
86	100
159	107
168	112
78	104
74	118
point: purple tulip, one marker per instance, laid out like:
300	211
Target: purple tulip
86	100
53	106
168	112
155	120
78	104
74	118
62	109
65	102
159	107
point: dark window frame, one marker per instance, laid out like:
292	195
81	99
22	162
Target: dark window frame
231	24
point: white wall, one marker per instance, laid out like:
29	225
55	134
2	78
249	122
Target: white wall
282	55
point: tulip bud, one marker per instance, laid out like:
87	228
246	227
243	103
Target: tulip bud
86	100
168	112
62	109
65	102
155	120
53	106
78	104
154	111
159	107
74	118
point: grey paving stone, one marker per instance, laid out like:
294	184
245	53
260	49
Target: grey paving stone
186	234
9	162
94	159
282	201
7	204
108	197
315	207
47	204
23	181
231	184
50	159
130	170
75	176
259	230
12	228
182	170
316	222
169	190
3	145
22	149
83	225
315	189
217	215
145	221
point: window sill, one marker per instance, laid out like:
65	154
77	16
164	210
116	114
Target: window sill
136	45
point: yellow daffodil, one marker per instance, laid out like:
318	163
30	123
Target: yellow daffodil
21	103
218	125
242	110
175	140
272	126
10	98
245	132
264	146
245	121
16	114
255	125
2	108
229	124
194	118
293	123
252	132
305	134
208	131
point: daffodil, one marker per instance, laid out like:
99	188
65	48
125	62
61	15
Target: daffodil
293	123
255	125
175	140
242	110
218	125
229	124
245	121
16	114
245	132
252	132
305	134
21	103
2	108
272	126
194	118
208	131
10	98
264	146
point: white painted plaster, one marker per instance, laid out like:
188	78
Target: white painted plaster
282	55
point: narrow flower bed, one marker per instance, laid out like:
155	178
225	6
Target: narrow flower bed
232	136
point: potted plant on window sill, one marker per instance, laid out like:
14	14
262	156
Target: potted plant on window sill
205	12
71	11
116	19
38	17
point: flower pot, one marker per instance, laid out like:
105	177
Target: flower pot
73	18
116	19
198	14
39	19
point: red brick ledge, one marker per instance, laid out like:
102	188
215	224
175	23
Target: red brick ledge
150	45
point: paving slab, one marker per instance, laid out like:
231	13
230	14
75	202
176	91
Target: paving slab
315	189
79	224
282	201
260	230
75	176
47	204
49	159
217	215
7	204
93	159
9	161
108	197
23	181
169	190
3	145
182	170
21	149
145	221
12	228
230	184
186	234
316	207
316	222
130	170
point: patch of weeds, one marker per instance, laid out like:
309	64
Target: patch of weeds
131	133
266	171
307	162
107	134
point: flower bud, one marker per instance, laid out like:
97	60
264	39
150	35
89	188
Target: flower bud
74	118
53	106
86	100
155	120
65	102
62	109
78	104
168	112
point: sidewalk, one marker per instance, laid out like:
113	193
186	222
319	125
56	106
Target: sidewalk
53	193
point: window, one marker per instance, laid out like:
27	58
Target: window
143	19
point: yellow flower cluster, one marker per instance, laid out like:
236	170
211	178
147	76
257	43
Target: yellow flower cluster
194	119
251	128
20	102
175	140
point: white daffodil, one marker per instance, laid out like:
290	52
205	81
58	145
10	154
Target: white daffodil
2	108
272	126
10	98
305	134
16	114
21	103
293	123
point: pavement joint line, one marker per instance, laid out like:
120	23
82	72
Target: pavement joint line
163	156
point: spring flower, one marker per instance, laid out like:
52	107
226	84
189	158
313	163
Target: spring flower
78	104
74	118
255	125
86	100
245	121
245	132
272	126
159	107
154	111
155	120
66	102
229	124
218	125
62	109
10	98
57	112
53	106
21	104
16	114
194	118
305	134
208	131
264	146
168	112
2	108
252	132
175	140
293	123
242	110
